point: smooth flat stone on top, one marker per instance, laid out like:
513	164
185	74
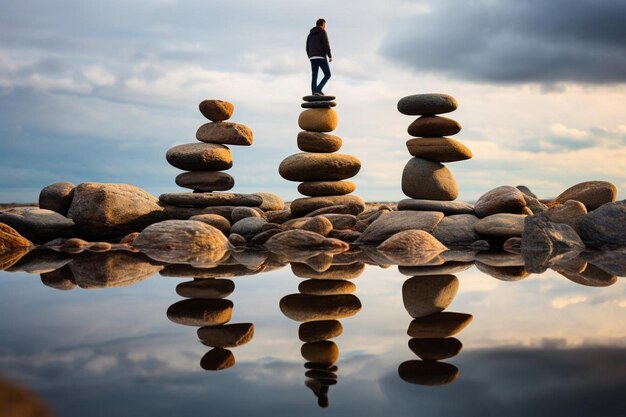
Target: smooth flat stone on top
318	120
210	199
318	142
317	98
438	149
318	104
303	206
303	167
428	180
206	181
326	188
446	207
430	126
430	104
200	157
216	110
226	133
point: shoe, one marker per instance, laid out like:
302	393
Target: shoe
319	93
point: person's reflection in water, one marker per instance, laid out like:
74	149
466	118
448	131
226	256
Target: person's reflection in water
426	295
325	297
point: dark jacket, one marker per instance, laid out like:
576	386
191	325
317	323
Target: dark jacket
317	43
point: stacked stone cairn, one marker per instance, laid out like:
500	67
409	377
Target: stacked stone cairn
206	307
321	171
324	298
425	180
206	161
426	295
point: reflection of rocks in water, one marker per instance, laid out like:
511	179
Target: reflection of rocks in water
217	359
443	324
305	307
315	331
452	267
326	287
429	373
435	349
590	276
427	295
112	269
201	312
206	288
16	401
503	273
612	261
40	261
228	335
350	271
61	279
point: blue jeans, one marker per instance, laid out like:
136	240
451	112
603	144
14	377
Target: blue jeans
316	64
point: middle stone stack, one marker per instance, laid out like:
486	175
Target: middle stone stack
321	171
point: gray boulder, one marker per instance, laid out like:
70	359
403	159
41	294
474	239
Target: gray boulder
57	197
605	226
37	225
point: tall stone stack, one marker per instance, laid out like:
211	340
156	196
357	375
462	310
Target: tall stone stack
428	183
323	299
426	295
321	172
206	161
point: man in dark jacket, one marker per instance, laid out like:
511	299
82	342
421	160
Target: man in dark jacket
318	48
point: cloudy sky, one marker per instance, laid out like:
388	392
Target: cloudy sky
93	91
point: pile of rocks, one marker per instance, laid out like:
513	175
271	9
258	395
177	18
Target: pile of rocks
430	184
324	298
426	295
206	307
321	171
205	162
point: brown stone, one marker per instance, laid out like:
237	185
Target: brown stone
435	349
592	194
305	307
225	133
501	225
504	199
350	271
413	247
428	180
304	206
438	149
210	199
318	142
228	335
325	188
503	273
443	324
217	359
270	201
318	120
215	220
315	331
199	312
319	167
432	126
389	224
205	181
432	103
303	239
112	269
326	287
427	295
200	157
323	352
457	230
446	207
11	240
216	110
568	213
57	197
429	373
206	288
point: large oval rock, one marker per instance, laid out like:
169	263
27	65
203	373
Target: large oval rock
248	227
216	110
305	307
316	331
428	180
432	126
318	120
200	157
319	167
443	324
198	312
411	247
318	142
326	188
306	206
438	149
225	133
57	197
457	230
112	269
389	224
37	225
504	199
210	199
270	201
228	335
568	213
11	240
435	349
605	225
427	295
434	103
592	194
326	287
217	359
446	207
429	373
205	181
206	288
323	352
215	220
112	210
501	225
182	241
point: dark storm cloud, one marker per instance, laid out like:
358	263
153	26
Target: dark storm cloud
510	41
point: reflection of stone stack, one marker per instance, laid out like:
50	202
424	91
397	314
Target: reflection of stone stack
207	308
206	161
325	297
424	176
322	172
425	298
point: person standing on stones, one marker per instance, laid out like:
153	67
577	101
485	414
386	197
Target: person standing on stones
318	48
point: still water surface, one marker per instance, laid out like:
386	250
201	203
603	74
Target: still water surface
543	345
